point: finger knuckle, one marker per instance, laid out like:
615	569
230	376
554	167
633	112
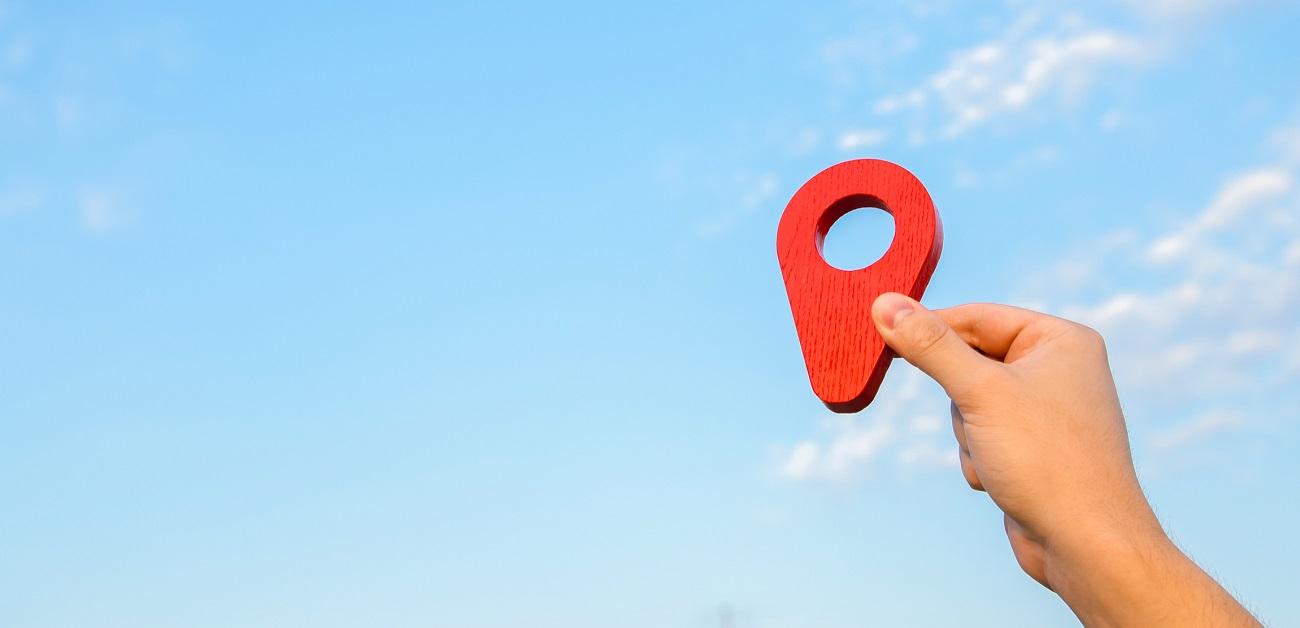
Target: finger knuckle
1088	337
1090	334
926	334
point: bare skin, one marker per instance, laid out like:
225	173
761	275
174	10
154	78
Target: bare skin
1039	427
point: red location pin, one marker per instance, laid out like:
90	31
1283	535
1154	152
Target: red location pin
845	355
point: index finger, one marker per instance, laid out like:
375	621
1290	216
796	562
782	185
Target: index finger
993	329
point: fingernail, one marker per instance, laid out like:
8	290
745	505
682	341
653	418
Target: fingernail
892	308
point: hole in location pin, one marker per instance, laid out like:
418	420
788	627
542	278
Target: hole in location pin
845	355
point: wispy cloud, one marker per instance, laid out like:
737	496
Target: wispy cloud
1111	121
908	417
1209	312
1035	60
1047	59
102	212
20	200
16	54
1197	429
1021	163
1238	197
51	96
862	138
930	455
739	196
848	58
1179	9
1231	261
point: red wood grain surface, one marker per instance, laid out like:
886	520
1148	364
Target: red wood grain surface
845	355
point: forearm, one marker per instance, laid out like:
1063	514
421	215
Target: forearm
1139	578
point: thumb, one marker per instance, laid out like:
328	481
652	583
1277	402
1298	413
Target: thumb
922	338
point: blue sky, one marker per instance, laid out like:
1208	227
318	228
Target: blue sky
469	315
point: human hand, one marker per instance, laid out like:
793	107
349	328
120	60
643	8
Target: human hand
1039	427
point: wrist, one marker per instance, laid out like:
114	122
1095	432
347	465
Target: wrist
1104	569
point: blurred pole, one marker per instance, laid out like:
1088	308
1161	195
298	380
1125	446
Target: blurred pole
726	617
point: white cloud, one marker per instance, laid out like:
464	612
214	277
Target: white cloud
1286	141
1249	192
739	196
929	455
17	54
852	445
1292	257
1112	121
68	112
165	43
20	200
1252	342
1018	166
1178	9
759	189
1197	429
1047	59
58	99
802	461
1027	64
863	138
847	59
913	98
906	414
101	212
1210	312
805	141
926	424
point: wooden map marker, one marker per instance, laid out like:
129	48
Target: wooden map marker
845	355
